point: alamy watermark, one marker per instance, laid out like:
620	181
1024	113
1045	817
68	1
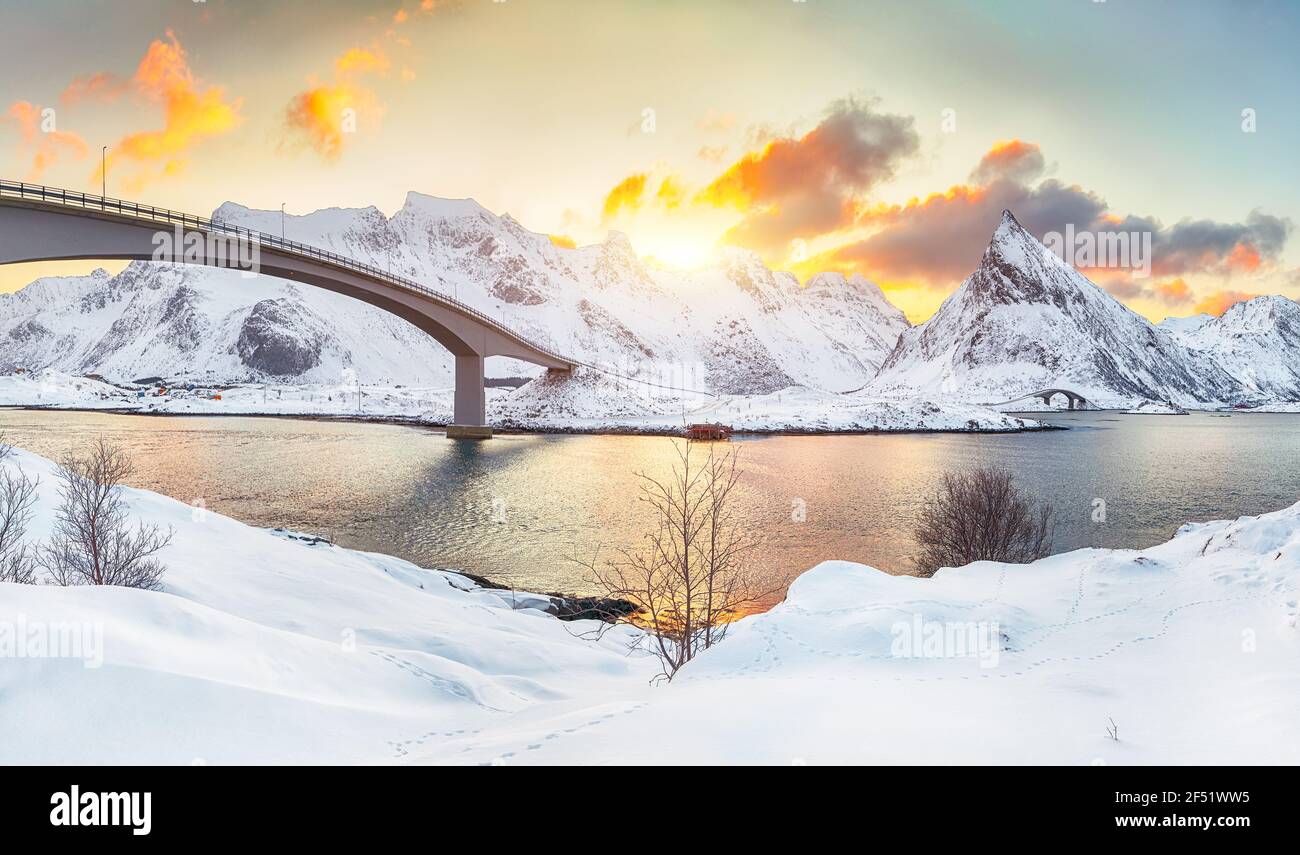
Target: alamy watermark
34	639
650	375
1091	249
131	810
932	639
238	251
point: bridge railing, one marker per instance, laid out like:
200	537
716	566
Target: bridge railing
72	198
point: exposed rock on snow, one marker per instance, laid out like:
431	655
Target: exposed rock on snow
263	648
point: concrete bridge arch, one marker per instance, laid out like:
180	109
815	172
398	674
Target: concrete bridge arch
47	224
1074	400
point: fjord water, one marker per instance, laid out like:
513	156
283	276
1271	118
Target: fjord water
519	508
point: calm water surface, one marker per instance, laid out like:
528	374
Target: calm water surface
519	508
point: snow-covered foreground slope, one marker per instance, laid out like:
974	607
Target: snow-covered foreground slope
1191	648
585	401
268	649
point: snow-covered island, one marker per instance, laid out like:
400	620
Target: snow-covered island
265	648
1156	408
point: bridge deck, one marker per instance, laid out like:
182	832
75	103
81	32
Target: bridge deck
140	214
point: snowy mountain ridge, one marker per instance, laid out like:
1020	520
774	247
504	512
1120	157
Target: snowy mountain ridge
735	327
1024	320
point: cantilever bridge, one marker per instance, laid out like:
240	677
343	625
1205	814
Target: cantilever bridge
48	224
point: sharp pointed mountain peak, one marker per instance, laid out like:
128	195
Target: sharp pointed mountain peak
1012	239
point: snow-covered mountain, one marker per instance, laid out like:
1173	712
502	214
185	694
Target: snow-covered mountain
207	325
1025	320
734	327
1181	327
1256	341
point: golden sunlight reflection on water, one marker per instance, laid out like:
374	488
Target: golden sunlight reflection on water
518	508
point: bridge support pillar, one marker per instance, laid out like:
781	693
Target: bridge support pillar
469	419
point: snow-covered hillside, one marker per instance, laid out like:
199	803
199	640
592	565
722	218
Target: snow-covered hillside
734	327
1256	341
207	325
269	649
1025	320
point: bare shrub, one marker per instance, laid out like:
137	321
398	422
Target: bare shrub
981	515
92	543
17	497
689	577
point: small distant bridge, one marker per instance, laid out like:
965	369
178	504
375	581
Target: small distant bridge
47	224
1074	400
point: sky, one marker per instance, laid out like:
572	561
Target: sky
873	137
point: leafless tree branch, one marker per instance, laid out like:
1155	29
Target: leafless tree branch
92	542
689	577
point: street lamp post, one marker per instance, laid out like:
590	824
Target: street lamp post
282	222
103	172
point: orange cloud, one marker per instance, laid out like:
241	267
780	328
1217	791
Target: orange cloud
804	187
102	86
323	114
37	131
937	240
361	61
1173	291
191	113
716	121
1244	258
401	16
1221	301
626	195
670	193
712	152
563	241
1014	159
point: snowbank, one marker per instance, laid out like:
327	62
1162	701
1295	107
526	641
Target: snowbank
268	648
265	648
1189	648
586	401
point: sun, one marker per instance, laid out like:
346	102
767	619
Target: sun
680	256
681	245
